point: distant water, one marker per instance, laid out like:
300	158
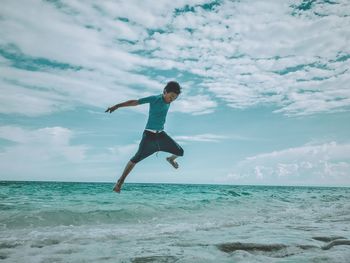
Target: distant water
87	222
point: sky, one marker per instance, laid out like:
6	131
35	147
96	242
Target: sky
265	90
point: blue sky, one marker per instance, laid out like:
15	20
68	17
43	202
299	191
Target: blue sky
265	99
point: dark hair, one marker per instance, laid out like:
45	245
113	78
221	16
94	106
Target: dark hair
173	86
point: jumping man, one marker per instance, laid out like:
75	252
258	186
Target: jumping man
154	137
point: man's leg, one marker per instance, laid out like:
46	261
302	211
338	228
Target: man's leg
167	144
146	148
130	165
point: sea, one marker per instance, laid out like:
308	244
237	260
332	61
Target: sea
88	222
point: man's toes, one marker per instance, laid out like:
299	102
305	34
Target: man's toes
172	162
117	186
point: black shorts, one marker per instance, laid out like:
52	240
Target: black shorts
154	142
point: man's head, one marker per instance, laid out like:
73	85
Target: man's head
171	91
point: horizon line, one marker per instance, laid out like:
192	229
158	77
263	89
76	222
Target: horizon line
169	183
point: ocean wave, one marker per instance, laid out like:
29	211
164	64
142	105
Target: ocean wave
336	243
281	250
159	259
69	217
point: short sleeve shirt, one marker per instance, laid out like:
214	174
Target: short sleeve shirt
158	110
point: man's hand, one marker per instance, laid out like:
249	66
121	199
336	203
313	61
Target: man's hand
111	109
124	104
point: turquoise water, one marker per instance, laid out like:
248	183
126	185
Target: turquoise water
87	222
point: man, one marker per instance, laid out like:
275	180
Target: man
154	137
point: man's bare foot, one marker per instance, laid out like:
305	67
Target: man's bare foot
118	186
172	162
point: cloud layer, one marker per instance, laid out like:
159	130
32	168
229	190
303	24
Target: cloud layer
50	154
320	164
38	153
58	54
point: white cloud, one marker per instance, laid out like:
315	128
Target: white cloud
67	88
124	150
106	68
201	138
29	102
197	104
245	53
239	48
49	154
322	164
40	145
37	154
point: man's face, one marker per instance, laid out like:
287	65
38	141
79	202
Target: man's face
169	96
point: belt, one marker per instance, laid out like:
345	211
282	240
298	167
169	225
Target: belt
153	131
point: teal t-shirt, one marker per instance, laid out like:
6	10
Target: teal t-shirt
158	110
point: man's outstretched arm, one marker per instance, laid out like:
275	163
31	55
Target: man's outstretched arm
124	104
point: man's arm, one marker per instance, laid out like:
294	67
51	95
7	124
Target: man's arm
124	104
